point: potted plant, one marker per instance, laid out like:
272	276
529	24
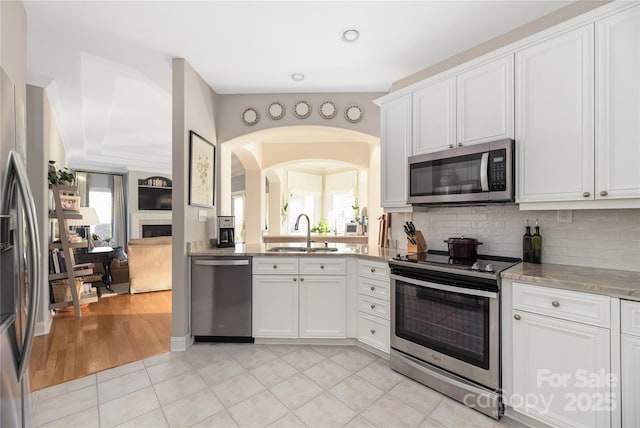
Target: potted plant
60	176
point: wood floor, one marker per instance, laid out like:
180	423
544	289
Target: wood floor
111	332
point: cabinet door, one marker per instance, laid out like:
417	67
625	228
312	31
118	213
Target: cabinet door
434	117
618	106
395	148
551	360
323	306
630	381
485	102
275	306
554	118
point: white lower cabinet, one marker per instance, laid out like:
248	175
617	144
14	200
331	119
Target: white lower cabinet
304	303
630	353
373	304
561	356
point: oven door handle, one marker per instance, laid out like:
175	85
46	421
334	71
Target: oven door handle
443	287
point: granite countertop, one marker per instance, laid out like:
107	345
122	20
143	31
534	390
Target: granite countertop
614	283
361	250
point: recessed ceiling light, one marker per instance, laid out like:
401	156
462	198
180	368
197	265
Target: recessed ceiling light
298	77
350	35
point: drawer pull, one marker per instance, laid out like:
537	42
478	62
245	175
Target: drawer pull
555	303
604	193
301	279
586	194
321	266
373	331
517	317
373	288
275	266
373	306
373	270
295	279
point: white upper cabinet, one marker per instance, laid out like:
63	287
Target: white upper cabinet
485	102
395	148
554	118
618	106
434	117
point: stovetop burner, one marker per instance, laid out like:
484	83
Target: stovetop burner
483	263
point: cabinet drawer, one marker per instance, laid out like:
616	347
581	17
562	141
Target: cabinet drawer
374	287
275	265
328	265
371	269
373	331
630	314
374	306
570	305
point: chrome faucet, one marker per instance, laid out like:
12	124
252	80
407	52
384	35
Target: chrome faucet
295	227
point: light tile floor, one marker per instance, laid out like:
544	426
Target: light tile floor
246	385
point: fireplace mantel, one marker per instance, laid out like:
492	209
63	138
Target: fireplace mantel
140	218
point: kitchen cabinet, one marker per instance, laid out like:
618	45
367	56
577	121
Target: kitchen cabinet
475	106
434	117
558	347
554	118
630	356
395	148
374	310
308	302
485	110
618	105
565	154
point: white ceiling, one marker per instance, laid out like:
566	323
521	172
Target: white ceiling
107	65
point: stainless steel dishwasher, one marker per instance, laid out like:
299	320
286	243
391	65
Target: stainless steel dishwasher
221	299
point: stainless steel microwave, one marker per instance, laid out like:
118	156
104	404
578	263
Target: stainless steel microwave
481	173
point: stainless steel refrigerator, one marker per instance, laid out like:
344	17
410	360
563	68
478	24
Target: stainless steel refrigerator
19	264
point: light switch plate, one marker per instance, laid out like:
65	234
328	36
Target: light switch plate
202	216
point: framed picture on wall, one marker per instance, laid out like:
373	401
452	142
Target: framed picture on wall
202	161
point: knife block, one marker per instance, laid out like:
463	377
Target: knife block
420	246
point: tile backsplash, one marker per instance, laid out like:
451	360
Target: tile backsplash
597	238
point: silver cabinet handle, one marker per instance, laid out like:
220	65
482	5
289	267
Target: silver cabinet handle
604	193
295	279
321	266
451	145
373	331
222	263
586	194
275	266
373	270
517	317
373	306
301	279
373	288
459	144
555	303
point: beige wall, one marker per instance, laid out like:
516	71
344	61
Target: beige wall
193	109
13	44
557	17
43	143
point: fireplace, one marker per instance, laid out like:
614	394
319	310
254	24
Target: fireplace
141	219
153	230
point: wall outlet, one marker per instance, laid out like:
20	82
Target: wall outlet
565	216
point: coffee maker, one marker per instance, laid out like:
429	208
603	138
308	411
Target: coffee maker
226	235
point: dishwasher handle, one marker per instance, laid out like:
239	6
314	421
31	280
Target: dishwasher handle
222	262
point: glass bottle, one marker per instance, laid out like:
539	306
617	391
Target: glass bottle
527	245
537	245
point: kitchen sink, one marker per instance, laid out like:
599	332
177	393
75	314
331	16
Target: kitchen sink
302	249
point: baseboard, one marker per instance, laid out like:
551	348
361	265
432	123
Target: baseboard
43	327
181	343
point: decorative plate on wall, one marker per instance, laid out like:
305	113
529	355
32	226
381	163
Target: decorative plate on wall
353	114
328	110
250	116
302	109
275	110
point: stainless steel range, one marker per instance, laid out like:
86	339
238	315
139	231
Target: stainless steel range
445	325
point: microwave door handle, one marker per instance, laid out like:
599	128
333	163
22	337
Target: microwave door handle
484	172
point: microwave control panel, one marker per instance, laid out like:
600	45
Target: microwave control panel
498	170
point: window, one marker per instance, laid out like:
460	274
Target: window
102	200
237	201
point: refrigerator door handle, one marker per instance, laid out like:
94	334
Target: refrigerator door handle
17	174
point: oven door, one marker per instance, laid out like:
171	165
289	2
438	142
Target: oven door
451	327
